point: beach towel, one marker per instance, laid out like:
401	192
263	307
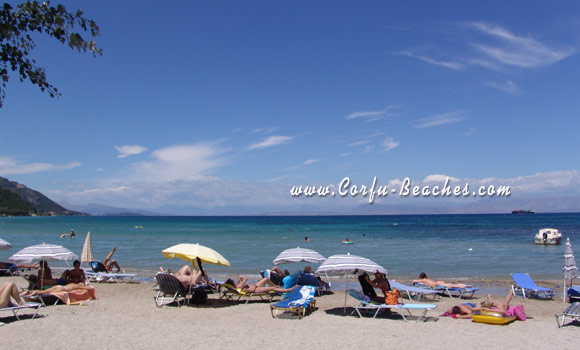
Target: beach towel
77	296
517	311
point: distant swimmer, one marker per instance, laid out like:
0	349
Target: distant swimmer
347	241
306	239
72	234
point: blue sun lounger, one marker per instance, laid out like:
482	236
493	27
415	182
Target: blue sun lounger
413	293
524	283
298	300
366	304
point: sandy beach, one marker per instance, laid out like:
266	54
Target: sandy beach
126	316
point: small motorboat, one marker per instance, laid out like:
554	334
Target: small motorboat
548	236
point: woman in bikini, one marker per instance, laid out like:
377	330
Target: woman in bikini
188	277
259	287
466	309
7	291
431	283
56	289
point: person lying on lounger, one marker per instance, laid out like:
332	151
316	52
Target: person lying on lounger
431	283
259	287
189	277
110	264
56	289
466	309
7	291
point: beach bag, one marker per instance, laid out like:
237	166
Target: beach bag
392	297
199	297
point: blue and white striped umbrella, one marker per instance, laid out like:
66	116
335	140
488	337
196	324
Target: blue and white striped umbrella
4	245
298	254
343	264
43	252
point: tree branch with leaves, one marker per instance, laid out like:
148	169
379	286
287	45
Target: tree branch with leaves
16	43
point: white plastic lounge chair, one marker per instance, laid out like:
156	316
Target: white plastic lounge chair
524	283
111	277
451	292
572	313
414	293
298	300
16	308
365	304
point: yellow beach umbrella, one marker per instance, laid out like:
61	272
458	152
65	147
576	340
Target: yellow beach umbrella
191	252
87	253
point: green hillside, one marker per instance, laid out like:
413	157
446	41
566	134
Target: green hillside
19	200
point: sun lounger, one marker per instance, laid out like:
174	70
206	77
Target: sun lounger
451	292
298	300
572	313
524	283
573	294
111	277
16	308
366	304
414	293
229	292
170	290
73	297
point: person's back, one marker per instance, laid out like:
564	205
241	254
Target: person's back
366	286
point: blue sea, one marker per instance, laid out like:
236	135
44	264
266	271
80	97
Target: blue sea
462	246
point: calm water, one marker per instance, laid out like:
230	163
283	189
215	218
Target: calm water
405	245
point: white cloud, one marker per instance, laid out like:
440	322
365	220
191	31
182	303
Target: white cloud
11	166
446	64
358	143
129	150
311	161
178	162
271	141
513	50
508	87
372	115
389	143
439	178
266	129
439	119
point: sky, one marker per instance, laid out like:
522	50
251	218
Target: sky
220	108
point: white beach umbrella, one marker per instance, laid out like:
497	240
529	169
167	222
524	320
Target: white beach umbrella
87	253
570	269
4	245
43	252
347	265
298	254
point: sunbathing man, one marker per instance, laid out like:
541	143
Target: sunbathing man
109	264
466	309
8	290
76	275
259	287
431	283
56	289
45	276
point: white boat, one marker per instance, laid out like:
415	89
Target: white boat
548	236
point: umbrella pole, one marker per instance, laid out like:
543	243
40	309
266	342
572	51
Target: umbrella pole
345	293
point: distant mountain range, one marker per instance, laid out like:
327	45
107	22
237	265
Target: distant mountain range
19	200
106	210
